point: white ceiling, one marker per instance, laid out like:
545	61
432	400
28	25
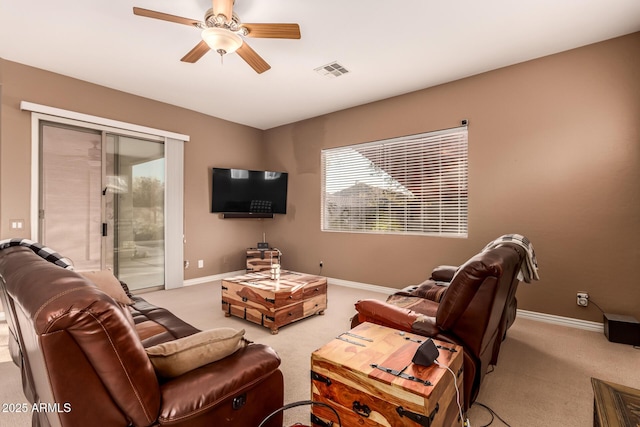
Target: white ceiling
389	47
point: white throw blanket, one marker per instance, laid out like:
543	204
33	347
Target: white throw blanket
529	269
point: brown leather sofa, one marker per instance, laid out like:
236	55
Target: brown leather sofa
472	311
84	362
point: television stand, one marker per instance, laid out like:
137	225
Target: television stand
228	215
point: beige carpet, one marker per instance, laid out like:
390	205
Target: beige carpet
542	378
10	386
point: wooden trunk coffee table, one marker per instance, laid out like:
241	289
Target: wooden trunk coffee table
274	303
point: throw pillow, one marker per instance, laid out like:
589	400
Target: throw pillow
174	358
109	284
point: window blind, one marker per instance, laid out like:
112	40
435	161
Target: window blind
415	184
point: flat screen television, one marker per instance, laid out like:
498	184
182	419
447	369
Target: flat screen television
248	191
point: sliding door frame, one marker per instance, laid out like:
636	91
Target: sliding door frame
174	175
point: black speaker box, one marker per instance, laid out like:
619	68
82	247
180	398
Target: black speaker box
621	329
426	353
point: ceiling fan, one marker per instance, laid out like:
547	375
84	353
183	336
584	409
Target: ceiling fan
223	32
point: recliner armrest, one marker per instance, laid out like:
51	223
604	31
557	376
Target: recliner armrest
382	313
444	273
426	326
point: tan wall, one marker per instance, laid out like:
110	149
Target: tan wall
214	142
554	153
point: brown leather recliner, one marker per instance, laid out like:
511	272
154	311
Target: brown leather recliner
83	361
471	312
435	287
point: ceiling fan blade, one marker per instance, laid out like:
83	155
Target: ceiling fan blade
165	17
252	58
224	7
273	31
196	53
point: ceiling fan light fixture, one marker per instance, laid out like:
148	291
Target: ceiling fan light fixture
221	40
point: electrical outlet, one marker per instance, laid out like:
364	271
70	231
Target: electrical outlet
200	263
582	299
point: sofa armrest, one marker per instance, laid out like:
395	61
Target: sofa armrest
444	273
203	389
382	313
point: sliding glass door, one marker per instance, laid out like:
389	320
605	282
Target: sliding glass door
102	201
135	210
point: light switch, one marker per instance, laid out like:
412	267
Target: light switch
17	224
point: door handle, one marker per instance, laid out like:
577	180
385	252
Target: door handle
104	228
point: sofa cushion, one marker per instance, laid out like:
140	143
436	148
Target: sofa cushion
174	358
156	325
109	284
150	329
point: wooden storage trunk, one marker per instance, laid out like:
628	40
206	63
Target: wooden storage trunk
274	303
343	375
259	260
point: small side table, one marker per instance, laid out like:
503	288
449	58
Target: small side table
261	259
615	405
367	376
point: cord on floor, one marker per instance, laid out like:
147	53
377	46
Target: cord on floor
494	415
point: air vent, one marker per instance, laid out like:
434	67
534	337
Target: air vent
332	70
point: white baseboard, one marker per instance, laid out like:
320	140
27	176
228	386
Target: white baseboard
205	279
561	320
525	314
360	285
